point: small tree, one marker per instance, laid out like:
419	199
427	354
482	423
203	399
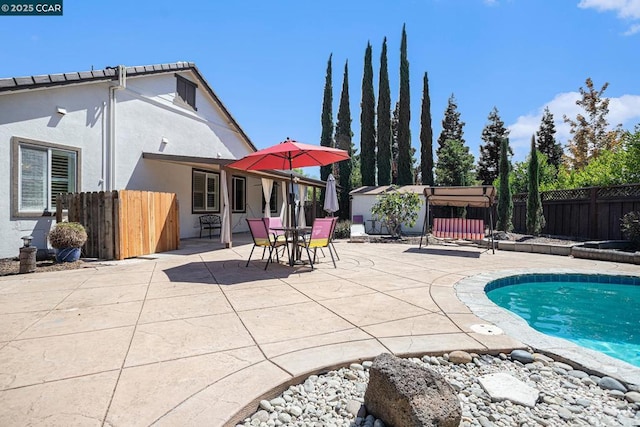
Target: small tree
535	216
505	202
395	208
630	226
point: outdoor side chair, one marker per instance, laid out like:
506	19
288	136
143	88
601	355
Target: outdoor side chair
262	238
210	222
320	237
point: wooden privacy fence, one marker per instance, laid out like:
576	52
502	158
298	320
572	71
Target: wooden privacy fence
125	223
585	213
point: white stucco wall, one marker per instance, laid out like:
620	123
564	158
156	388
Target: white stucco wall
145	113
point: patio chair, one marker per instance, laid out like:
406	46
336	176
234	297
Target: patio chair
275	222
320	237
262	238
210	222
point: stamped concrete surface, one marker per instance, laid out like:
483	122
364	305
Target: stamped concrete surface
193	337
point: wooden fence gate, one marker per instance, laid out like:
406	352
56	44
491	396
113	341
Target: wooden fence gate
125	223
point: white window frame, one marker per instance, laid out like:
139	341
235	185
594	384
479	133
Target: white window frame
48	207
206	191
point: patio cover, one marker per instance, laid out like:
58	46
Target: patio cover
481	196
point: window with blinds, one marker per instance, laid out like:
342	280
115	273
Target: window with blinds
205	192
44	172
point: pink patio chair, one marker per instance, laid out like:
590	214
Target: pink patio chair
275	222
262	238
320	237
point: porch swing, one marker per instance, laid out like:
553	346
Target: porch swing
459	228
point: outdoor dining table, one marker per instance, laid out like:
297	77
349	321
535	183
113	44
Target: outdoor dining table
293	235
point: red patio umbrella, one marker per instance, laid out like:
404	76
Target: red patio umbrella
290	154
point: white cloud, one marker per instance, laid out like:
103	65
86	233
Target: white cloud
490	2
632	30
625	9
624	110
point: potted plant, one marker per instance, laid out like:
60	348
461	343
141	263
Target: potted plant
67	238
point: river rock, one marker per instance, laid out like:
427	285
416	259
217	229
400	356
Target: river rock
403	394
633	397
502	386
459	357
609	383
522	356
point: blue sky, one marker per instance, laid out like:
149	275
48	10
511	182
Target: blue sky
267	60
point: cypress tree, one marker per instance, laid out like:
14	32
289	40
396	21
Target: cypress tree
394	144
405	175
326	138
535	216
368	123
492	134
452	127
384	121
547	140
426	136
343	141
505	201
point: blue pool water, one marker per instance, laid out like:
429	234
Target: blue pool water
595	311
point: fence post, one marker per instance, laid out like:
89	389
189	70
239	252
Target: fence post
593	213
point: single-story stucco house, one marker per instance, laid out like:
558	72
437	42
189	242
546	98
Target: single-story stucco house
155	128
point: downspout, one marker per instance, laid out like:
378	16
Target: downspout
110	151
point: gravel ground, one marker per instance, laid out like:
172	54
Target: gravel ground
10	266
566	397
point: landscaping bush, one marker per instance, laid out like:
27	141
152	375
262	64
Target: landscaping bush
343	229
395	208
67	235
630	226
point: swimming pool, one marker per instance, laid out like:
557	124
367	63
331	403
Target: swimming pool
600	312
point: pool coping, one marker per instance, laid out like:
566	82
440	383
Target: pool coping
471	291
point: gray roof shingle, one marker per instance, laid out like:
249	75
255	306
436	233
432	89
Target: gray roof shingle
109	73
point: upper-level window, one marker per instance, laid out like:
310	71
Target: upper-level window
42	171
186	91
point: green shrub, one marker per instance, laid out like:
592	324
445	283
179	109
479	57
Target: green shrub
67	235
630	226
395	208
343	229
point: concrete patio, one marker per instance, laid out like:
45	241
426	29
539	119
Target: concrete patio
192	337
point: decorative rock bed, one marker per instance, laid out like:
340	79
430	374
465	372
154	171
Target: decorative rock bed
563	396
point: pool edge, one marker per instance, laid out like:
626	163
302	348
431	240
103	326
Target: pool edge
471	292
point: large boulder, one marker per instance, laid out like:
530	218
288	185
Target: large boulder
404	394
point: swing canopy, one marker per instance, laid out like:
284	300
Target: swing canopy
480	196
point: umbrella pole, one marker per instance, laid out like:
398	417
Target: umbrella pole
292	205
